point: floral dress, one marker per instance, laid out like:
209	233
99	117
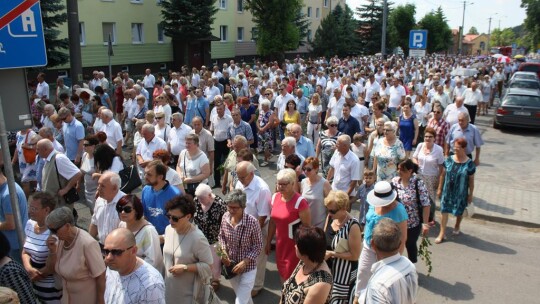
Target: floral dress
456	185
294	293
388	158
28	171
209	222
266	139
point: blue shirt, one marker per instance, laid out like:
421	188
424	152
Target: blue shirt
350	126
471	134
398	215
304	147
243	129
5	209
154	205
196	107
302	105
73	133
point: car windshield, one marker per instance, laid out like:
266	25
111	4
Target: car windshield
526	76
525	85
522	100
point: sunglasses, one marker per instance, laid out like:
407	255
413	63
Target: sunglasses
266	94
87	144
126	209
55	230
114	252
159	117
332	125
333	211
174	218
307	169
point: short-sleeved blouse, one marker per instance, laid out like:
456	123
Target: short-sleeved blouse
398	215
388	158
291	118
428	164
192	165
407	196
294	293
209	222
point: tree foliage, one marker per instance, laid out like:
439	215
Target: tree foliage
281	26
473	31
532	21
53	15
502	37
370	25
400	22
187	19
439	33
337	34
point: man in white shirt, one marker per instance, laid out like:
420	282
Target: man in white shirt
258	198
370	88
42	90
335	106
441	97
104	82
220	126
149	145
394	278
105	218
452	111
149	82
344	167
176	142
459	89
130	279
48	110
206	140
211	90
95	82
396	98
288	147
281	101
472	97
113	130
216	73
359	111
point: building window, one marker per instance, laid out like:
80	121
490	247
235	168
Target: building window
254	33
223	32
160	33
482	46
240	6
223	4
240	33
309	11
309	35
325	3
109	28
317	12
82	34
137	33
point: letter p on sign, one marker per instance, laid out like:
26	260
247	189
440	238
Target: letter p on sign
418	39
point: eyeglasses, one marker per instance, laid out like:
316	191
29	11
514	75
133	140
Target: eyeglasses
388	130
174	218
159	118
307	169
437	112
428	136
55	230
114	252
332	125
126	209
283	184
266	94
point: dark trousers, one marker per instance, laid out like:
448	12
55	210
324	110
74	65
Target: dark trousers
150	101
472	112
410	244
220	154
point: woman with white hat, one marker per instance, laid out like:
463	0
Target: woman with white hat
383	203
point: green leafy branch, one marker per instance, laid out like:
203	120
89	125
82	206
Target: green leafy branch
425	254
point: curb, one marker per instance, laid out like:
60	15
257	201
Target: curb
503	220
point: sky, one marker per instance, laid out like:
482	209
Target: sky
506	12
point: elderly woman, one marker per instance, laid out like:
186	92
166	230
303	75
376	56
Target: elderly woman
27	167
408	127
456	187
172	176
88	168
430	158
343	238
163	106
208	215
77	259
314	189
130	211
414	196
383	203
248	112
327	143
186	253
388	153
35	251
311	280
314	118
163	130
265	125
374	138
193	165
241	242
289	210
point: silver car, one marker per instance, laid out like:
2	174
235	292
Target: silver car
519	108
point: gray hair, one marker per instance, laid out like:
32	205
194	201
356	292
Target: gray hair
344	138
178	115
107	113
386	235
464	115
64	112
332	120
218	98
46	132
289	141
236	196
114	178
149	128
240	138
203	189
48	107
391	124
287	174
59	217
265	102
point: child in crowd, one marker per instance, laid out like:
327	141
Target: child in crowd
361	195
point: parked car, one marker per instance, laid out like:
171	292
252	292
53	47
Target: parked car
524	75
524	84
519	108
530	67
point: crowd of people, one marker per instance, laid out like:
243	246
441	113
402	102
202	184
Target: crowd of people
387	136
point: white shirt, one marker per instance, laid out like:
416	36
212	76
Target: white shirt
163	133
210	93
371	88
258	197
173	177
114	133
46	122
105	217
149	81
281	104
359	112
213	113
144	285
472	98
65	167
396	94
346	169
459	91
42	90
57	146
177	138
428	164
281	160
145	150
128	105
336	107
451	113
220	126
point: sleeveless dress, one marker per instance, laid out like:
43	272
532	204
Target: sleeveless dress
293	293
343	271
314	194
406	131
456	185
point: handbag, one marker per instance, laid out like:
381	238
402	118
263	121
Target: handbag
130	178
420	207
72	196
226	271
28	153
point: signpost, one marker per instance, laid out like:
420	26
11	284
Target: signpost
22	44
418	43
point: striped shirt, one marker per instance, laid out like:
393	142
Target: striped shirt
243	129
241	241
105	216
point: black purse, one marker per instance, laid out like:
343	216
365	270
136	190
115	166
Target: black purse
130	179
226	271
73	195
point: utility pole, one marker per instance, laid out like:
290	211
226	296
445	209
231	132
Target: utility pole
75	60
460	48
489	36
383	37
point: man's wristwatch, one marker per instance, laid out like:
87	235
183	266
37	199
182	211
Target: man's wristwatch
185	268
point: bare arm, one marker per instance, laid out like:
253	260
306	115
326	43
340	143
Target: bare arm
270	236
9	223
80	150
403	228
471	189
330	174
416	128
355	241
305	217
92	230
318	293
100	288
477	156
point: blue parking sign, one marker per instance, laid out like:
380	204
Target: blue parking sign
22	43
418	39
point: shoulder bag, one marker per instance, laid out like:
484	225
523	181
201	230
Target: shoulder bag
226	271
130	178
28	153
72	196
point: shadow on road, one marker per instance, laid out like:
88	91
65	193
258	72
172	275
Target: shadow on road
456	292
484	205
480	244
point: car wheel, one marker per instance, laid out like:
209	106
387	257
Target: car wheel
496	125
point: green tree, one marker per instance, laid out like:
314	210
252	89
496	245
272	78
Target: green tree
185	20
532	21
473	31
53	15
281	26
439	33
502	37
337	34
400	22
370	25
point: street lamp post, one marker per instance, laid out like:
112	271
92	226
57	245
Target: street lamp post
460	48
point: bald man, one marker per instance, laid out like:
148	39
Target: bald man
129	278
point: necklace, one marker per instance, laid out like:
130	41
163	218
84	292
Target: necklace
72	243
180	243
312	269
